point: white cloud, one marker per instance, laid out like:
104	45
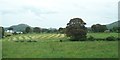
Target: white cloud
57	13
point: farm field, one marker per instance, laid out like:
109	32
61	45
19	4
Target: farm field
49	46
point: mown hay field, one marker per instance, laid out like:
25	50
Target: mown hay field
49	46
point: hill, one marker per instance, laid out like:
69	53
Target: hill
19	27
114	24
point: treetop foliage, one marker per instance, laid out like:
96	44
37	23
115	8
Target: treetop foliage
76	29
98	28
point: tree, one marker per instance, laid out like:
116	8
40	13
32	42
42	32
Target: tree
103	28
61	30
116	29
98	28
28	30
10	29
53	30
36	30
76	29
44	30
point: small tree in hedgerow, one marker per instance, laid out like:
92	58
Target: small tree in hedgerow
76	29
98	28
36	30
61	30
28	30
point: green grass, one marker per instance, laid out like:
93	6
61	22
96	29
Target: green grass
102	35
48	46
0	49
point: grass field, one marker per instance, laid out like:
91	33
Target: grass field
48	46
0	49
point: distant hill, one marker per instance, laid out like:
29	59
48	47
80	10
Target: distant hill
114	24
19	27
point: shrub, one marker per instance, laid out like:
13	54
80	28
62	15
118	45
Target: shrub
118	39
15	33
91	38
111	38
29	41
100	39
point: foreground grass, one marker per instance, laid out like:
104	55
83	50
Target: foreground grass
96	49
48	46
102	35
0	48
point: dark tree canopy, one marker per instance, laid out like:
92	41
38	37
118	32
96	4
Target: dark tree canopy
53	30
10	28
61	30
50	30
45	30
28	30
36	30
76	29
115	29
98	28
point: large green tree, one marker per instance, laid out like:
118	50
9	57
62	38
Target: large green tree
76	29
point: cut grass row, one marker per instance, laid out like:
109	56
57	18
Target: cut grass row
51	36
33	37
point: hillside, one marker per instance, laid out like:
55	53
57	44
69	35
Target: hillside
19	27
114	24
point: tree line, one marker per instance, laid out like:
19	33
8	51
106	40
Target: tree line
35	30
75	29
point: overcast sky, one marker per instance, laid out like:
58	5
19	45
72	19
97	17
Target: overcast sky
57	13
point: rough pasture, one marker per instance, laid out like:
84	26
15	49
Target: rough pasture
49	46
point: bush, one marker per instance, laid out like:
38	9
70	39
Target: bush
15	33
78	38
91	38
111	38
100	39
118	39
